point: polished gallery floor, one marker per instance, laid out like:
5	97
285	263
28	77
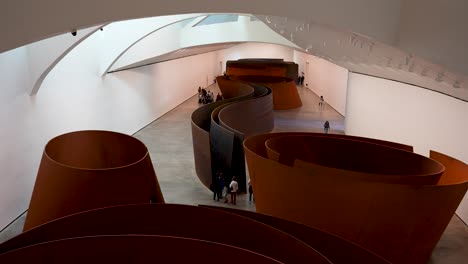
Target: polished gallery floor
169	141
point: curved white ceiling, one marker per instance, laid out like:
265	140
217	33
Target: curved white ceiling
188	33
132	41
27	21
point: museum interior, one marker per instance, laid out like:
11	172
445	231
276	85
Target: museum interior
312	131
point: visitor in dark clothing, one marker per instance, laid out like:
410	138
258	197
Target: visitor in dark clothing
219	97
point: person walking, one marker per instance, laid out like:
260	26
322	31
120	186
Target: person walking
234	186
326	127
321	103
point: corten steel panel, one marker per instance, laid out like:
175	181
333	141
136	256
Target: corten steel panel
400	222
222	147
265	67
231	89
132	249
355	158
285	95
264	71
201	123
249	117
174	220
226	140
202	154
334	248
224	152
91	169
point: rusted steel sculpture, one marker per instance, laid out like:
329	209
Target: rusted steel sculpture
218	129
386	199
135	249
166	220
91	169
265	67
325	243
285	95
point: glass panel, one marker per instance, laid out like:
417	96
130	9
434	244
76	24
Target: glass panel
217	19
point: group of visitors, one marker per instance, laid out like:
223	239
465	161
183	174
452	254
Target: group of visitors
223	187
207	97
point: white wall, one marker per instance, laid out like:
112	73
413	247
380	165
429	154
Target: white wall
74	96
324	79
254	50
436	30
43	55
383	109
14	74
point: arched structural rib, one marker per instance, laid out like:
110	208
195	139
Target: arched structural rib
108	69
38	83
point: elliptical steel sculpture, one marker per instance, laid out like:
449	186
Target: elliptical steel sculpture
370	192
85	170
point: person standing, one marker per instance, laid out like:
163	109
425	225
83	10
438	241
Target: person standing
234	186
215	187
221	185
250	192
321	103
226	189
326	127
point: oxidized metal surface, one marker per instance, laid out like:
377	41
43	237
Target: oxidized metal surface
265	67
327	244
358	201
285	95
137	249
225	123
85	170
173	221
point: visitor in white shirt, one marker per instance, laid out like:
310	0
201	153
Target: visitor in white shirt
234	186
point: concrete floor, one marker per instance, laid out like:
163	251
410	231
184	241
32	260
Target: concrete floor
169	141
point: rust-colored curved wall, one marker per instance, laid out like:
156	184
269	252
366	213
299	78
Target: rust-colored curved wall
353	157
249	117
265	67
326	243
202	154
400	222
223	128
201	131
285	95
132	249
91	169
173	221
226	136
231	89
